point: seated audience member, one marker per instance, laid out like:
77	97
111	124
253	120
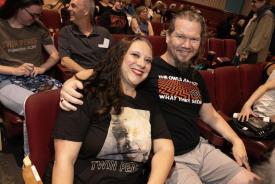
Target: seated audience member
254	46
159	9
22	37
182	96
129	8
140	24
82	44
125	123
114	19
148	5
263	99
102	6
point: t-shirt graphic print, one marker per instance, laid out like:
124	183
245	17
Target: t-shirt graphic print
128	137
175	88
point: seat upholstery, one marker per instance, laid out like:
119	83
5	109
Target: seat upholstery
51	19
41	114
229	88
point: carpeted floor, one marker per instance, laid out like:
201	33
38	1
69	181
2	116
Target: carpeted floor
10	172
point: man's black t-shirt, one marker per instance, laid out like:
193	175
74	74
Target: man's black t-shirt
114	147
180	96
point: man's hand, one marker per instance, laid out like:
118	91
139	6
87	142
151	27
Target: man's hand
69	95
38	70
240	154
25	69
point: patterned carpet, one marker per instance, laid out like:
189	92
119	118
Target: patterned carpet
10	173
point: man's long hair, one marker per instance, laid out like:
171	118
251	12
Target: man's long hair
192	15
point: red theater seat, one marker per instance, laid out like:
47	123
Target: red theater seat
51	19
41	113
229	87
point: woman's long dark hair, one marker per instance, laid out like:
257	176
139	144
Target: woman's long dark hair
105	83
11	7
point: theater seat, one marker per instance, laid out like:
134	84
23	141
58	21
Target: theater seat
41	114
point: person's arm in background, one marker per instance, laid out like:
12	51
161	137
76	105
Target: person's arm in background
150	29
162	160
64	51
246	109
71	64
51	61
69	91
135	27
210	116
22	70
66	153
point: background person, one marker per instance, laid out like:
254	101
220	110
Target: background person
257	35
140	24
122	120
262	101
82	44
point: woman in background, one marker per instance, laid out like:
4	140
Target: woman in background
140	24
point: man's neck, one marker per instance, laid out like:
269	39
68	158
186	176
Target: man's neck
14	23
85	27
168	59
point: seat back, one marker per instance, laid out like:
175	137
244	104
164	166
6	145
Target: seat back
41	111
158	44
251	79
230	47
51	19
228	89
217	45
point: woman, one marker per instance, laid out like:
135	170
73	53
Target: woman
140	24
22	63
108	139
263	99
148	5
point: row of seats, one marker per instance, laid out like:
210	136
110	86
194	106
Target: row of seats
226	98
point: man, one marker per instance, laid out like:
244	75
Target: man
257	34
114	19
182	97
82	44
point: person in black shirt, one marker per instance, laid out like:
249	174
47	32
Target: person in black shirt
110	137
115	20
183	98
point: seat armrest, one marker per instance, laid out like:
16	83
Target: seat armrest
65	72
208	133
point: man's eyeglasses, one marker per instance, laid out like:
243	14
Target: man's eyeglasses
33	15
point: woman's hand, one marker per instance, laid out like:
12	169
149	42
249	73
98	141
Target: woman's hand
23	70
245	113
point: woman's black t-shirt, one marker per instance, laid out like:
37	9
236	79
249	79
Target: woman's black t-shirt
114	148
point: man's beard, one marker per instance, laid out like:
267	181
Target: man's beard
182	66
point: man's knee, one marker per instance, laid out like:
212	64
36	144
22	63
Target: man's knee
244	177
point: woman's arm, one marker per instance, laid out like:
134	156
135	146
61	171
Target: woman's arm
246	110
66	153
162	160
135	27
51	61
